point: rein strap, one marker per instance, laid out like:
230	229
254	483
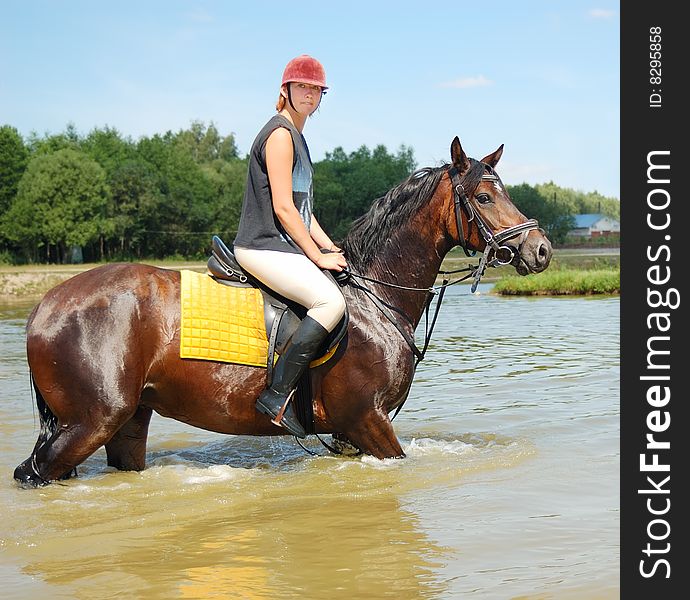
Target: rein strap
470	181
493	241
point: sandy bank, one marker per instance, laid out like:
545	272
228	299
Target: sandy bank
35	280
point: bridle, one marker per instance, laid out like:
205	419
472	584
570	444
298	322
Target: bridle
477	173
503	253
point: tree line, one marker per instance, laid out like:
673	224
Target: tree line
103	196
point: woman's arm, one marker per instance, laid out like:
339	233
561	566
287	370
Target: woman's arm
279	155
320	237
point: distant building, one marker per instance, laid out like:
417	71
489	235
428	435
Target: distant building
595	225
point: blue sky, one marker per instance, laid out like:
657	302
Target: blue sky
540	76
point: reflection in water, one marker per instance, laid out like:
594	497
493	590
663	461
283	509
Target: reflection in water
191	532
511	432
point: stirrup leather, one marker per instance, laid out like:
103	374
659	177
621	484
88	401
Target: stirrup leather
281	413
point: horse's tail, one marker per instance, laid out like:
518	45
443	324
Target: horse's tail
47	419
27	473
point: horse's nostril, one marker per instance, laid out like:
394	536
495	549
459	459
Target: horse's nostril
543	254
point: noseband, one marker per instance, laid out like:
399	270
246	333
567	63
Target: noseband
503	253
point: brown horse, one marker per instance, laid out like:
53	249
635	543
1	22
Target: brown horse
104	346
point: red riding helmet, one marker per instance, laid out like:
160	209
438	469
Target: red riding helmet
305	69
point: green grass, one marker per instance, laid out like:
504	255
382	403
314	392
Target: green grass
570	272
561	282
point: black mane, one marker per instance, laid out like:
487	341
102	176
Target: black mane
388	213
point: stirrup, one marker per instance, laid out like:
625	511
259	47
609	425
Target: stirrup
281	413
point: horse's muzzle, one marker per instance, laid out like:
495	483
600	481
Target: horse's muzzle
534	254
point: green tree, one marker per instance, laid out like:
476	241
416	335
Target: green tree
581	202
14	157
52	143
228	179
108	148
204	144
556	218
346	185
60	203
134	202
183	223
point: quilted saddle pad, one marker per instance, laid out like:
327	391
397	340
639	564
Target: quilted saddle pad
220	322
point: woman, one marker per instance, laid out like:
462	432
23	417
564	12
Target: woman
280	242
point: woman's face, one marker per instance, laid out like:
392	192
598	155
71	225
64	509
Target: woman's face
305	97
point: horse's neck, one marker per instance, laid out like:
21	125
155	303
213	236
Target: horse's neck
411	258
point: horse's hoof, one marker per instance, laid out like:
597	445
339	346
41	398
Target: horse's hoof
27	477
344	446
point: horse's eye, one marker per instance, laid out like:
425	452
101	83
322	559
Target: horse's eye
483	198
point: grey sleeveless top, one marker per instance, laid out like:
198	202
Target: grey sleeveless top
259	228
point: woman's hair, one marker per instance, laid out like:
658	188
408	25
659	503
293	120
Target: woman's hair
280	105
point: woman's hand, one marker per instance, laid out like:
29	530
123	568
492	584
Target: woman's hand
333	261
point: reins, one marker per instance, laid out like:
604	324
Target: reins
429	324
503	255
477	173
430	291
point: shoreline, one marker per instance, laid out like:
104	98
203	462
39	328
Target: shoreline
26	283
30	282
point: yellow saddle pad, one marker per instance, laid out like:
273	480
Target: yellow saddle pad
221	322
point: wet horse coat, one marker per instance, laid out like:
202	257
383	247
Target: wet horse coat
103	347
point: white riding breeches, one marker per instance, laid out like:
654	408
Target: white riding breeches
297	278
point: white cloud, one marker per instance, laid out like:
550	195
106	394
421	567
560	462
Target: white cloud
601	13
467	82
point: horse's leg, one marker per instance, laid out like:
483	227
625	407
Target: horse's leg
79	416
73	442
126	450
374	435
343	445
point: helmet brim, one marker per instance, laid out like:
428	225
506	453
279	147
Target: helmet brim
307	81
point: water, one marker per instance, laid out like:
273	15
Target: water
510	488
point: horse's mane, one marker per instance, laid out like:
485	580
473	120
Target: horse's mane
388	213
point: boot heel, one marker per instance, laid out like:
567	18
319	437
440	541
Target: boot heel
291	364
282	414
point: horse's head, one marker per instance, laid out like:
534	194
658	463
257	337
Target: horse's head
486	219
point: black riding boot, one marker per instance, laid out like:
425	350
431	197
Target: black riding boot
294	360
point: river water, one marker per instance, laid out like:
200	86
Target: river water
510	489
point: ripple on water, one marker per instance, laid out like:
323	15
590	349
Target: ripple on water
495	469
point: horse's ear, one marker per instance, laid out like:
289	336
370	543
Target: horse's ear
458	155
492	159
